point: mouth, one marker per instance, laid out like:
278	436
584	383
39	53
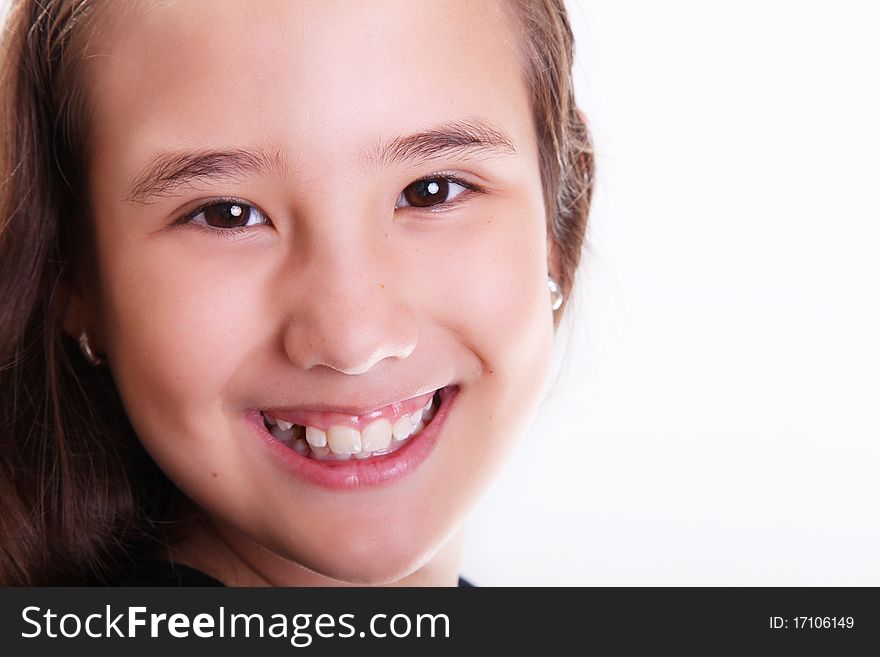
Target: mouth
342	451
338	437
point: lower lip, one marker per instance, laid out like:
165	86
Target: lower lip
356	473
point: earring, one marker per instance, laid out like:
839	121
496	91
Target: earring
86	348
555	293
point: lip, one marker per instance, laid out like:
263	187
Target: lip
355	473
358	410
324	419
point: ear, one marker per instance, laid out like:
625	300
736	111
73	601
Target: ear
72	309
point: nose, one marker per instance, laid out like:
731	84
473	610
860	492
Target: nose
351	310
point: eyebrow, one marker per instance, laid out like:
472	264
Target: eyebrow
470	138
169	171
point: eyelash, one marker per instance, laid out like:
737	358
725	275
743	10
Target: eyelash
450	178
229	233
232	233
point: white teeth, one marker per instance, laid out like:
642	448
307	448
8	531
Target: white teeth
316	437
344	440
280	434
284	424
340	443
376	436
402	428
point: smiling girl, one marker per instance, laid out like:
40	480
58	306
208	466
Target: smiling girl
279	281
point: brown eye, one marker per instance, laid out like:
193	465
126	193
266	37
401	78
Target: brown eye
429	192
229	214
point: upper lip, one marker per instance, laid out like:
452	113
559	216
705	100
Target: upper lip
355	409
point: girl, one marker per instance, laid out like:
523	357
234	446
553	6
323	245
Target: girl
279	285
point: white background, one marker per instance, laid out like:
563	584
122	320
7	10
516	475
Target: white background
716	422
715	419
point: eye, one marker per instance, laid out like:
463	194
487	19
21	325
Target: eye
227	215
432	191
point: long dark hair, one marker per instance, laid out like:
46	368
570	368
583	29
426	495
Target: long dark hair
77	491
79	496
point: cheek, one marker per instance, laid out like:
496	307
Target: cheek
494	290
491	293
178	327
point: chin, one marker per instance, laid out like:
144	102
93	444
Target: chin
367	566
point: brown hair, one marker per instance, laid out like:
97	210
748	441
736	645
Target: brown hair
565	146
79	496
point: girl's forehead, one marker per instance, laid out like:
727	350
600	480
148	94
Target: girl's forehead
322	74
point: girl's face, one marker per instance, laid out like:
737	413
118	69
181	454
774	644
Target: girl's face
264	244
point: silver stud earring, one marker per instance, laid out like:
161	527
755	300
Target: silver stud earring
555	293
86	348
